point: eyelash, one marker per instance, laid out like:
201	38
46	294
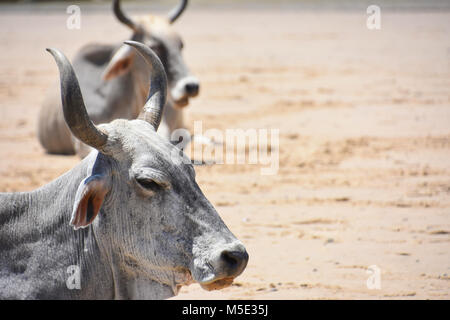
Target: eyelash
148	184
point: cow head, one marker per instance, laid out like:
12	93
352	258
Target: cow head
141	198
157	33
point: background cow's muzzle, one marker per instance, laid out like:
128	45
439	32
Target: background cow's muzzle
185	88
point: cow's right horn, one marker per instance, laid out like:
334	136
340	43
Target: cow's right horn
74	109
157	96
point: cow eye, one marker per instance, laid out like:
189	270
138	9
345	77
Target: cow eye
149	184
160	51
158	48
151	180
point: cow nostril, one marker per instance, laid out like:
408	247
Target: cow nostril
230	258
192	88
235	261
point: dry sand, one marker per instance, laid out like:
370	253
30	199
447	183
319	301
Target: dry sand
364	119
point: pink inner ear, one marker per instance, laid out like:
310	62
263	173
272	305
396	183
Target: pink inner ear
90	203
119	68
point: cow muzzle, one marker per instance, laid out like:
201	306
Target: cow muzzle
184	89
224	266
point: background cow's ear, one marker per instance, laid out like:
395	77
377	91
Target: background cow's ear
120	63
89	199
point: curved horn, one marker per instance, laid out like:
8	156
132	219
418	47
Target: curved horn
122	17
177	11
157	95
73	106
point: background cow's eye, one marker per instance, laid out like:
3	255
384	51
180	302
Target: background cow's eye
160	51
149	184
158	48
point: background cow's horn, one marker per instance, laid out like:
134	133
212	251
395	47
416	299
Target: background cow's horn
157	95
122	17
73	105
177	11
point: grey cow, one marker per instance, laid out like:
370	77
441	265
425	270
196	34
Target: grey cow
114	82
142	227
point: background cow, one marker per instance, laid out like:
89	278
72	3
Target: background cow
114	82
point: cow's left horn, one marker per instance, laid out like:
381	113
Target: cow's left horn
120	15
74	109
177	11
157	95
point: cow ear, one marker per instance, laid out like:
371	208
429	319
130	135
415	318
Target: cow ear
89	199
120	63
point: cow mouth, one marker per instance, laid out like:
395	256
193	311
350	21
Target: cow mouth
217	284
181	103
213	282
